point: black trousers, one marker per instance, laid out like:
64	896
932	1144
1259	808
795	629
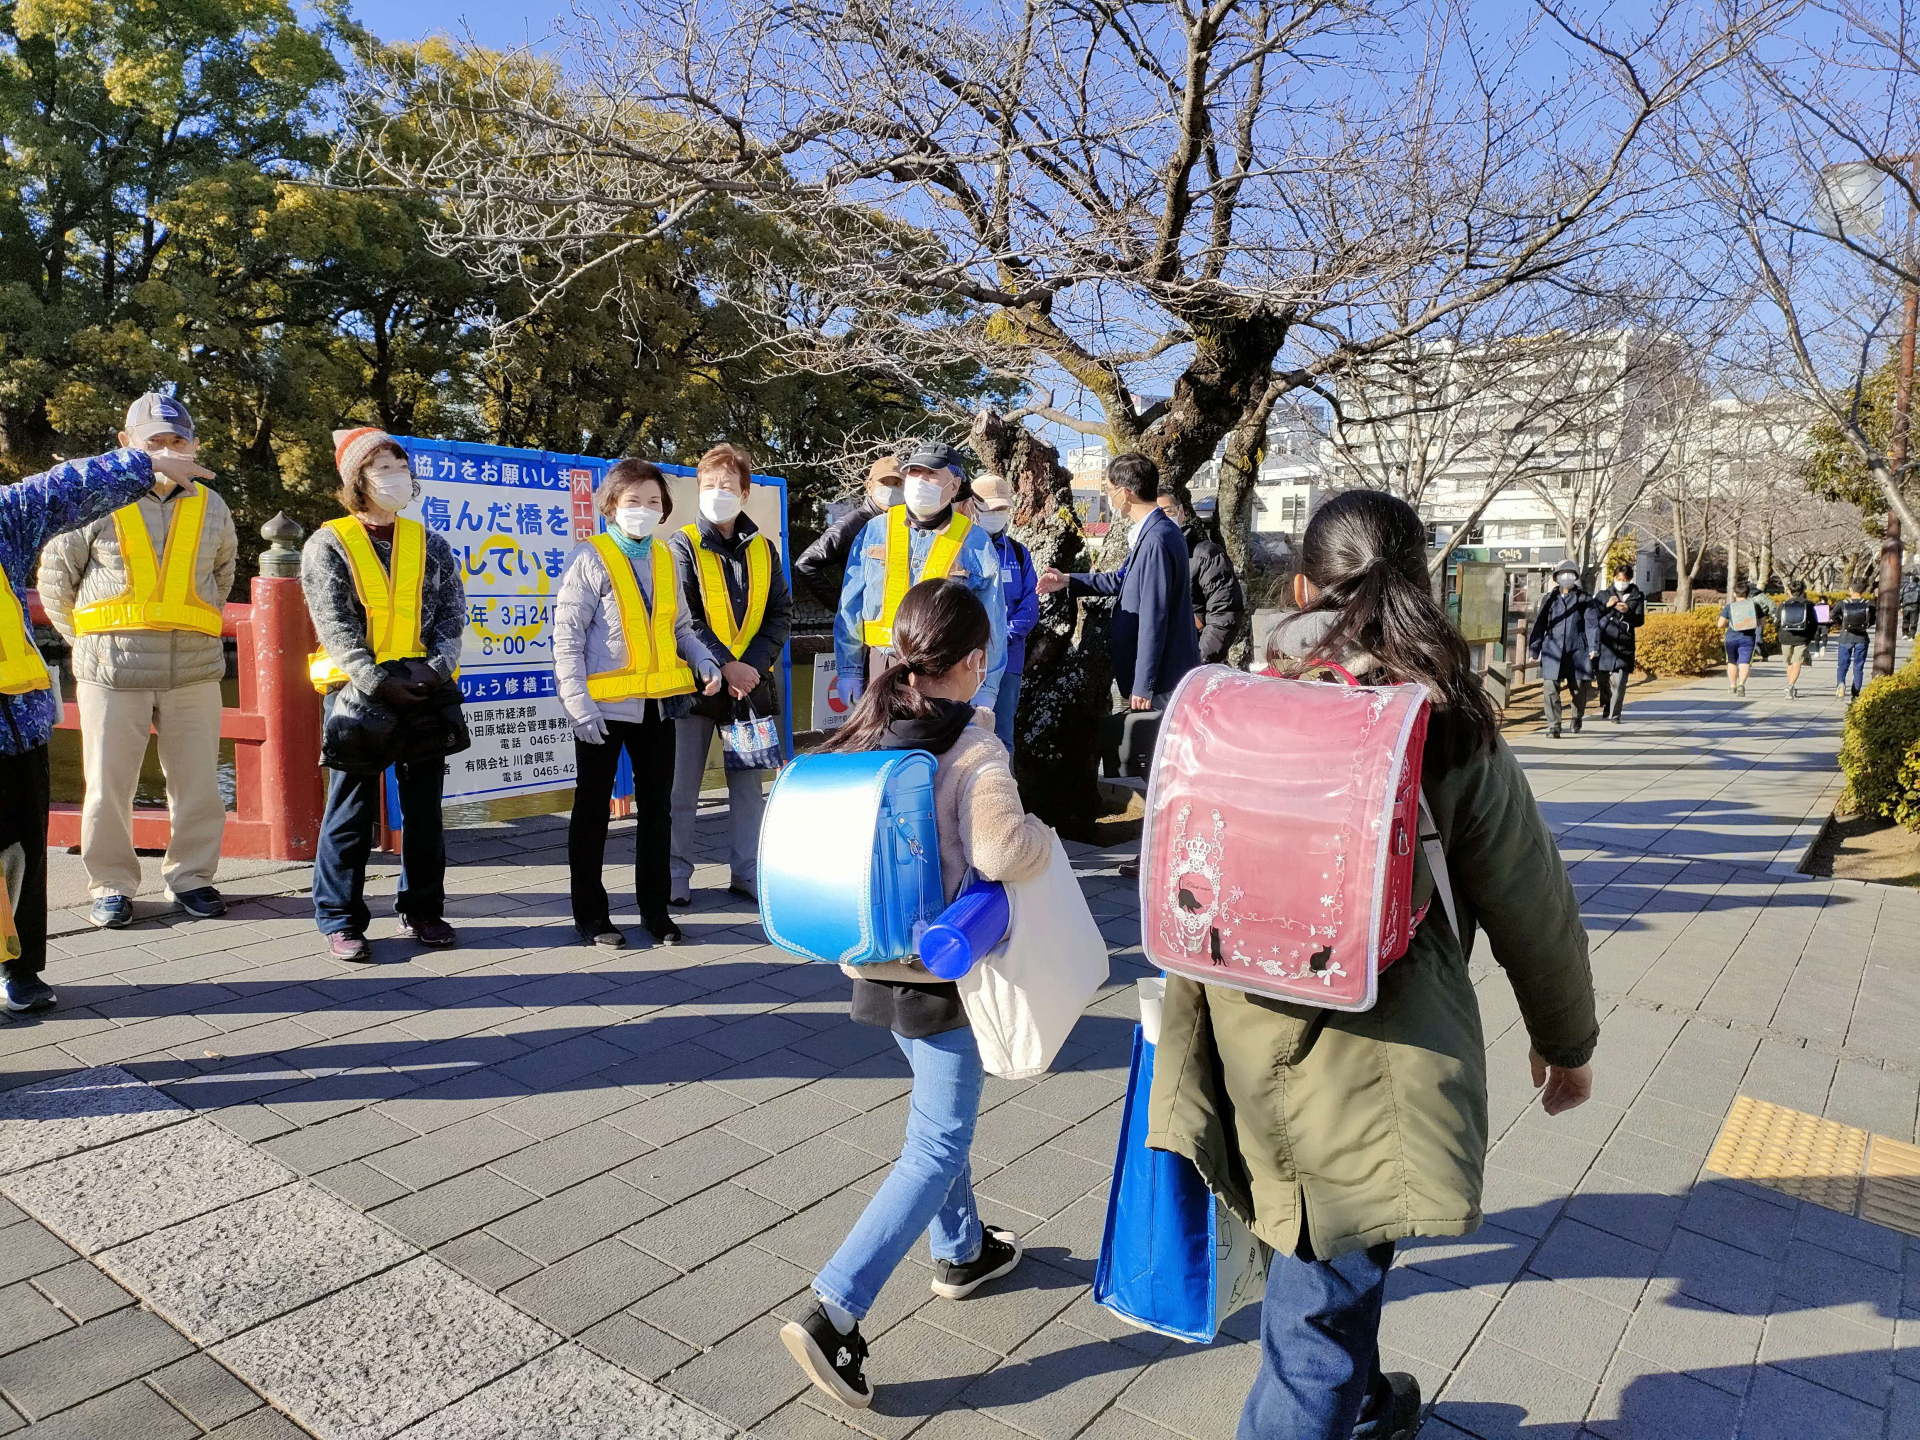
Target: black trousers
1613	692
26	782
649	747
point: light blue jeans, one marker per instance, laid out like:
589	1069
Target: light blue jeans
930	1187
1004	707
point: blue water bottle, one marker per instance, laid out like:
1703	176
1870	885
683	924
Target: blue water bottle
970	927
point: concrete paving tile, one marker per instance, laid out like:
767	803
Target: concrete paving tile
78	1112
130	1410
744	1378
575	1218
1096	1138
1096	1320
554	1112
227	1271
74	1365
1640	1400
1002	1316
1830	1350
486	1261
564	1160
262	1424
367	1361
691	1165
1595	1261
799	1420
360	1185
636	1346
1822	1277
104	1197
1499	1393
589	1285
678	1113
1489	1258
1559	1325
435	1215
1786	1407
1070	1241
694	1231
206	1390
1044	1182
1196	1391
783	1123
335	1142
568	1394
924	1369
1429	1318
26	1315
711	1303
1860	1239
808	1172
28	1248
82	1291
1520	1202
1055	1383
425	1160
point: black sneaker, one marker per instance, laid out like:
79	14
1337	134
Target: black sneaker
27	994
832	1361
1577	723
664	932
1396	1409
1553	732
999	1252
203	904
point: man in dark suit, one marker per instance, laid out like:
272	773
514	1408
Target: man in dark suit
1154	638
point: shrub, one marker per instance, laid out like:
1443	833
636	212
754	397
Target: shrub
1687	644
1880	754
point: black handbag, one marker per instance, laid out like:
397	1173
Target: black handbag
362	736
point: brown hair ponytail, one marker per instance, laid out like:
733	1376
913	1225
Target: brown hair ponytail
938	625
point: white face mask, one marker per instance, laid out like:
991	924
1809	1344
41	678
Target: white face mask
926	497
993	521
390	485
1621	585
1565	581
888	496
636	522
719	506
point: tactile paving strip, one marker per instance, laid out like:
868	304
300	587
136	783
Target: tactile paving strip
1838	1167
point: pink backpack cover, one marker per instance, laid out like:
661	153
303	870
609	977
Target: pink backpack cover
1282	819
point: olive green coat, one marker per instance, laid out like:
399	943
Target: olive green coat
1376	1122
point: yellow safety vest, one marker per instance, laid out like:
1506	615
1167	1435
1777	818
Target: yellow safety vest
718	604
393	605
653	670
160	594
900	576
21	668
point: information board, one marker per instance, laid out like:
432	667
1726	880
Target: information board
512	517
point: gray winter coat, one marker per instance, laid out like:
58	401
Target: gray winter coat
84	567
587	639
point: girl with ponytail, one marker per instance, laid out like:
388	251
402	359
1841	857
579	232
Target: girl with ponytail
941	635
1335	1135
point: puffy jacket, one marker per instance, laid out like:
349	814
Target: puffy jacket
1218	601
763	651
1373	1126
85	567
1020	585
1618	621
822	566
1566	627
587	639
32	511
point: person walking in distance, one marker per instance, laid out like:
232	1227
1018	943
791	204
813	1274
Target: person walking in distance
1336	1135
385	595
1740	619
626	661
736	599
920	701
822	566
992	512
1623	610
924	538
1219	604
1852	634
32	512
1798	625
138	595
1566	642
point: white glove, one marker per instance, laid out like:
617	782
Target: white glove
591	731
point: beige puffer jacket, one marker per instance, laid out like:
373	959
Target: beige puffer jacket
983	827
83	567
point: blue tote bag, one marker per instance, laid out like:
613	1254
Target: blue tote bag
1173	1259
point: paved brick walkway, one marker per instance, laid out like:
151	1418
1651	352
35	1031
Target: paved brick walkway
606	1177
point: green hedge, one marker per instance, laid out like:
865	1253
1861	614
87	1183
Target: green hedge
1687	644
1880	754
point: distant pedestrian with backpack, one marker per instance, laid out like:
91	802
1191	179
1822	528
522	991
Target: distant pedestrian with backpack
936	664
1566	642
1853	623
1740	619
1623	610
1332	1134
1798	625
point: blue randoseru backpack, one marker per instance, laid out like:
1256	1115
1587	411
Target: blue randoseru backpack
850	856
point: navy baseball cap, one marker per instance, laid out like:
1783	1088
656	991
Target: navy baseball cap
934	455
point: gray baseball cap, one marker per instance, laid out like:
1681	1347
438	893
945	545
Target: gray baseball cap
156	414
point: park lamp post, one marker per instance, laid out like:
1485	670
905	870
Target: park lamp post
1850	200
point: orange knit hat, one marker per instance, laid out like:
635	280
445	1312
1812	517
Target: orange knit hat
353	448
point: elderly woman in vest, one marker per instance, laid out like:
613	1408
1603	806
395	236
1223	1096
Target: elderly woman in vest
736	591
626	660
390	611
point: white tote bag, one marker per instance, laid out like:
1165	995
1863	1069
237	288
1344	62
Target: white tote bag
1030	990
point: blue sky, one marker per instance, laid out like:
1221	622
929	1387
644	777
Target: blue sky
498	23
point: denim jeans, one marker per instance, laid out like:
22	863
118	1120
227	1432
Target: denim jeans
1004	708
346	840
930	1187
1853	654
1319	1376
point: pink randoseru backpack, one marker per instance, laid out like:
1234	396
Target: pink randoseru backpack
1282	819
